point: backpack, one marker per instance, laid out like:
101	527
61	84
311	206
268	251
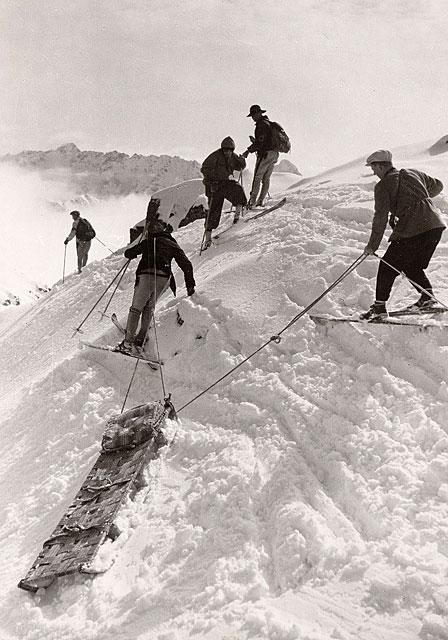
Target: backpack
279	138
84	230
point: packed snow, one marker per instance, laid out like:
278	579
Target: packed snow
304	497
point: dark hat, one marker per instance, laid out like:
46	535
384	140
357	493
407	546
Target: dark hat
75	213
255	108
228	143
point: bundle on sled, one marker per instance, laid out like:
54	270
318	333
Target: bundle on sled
129	442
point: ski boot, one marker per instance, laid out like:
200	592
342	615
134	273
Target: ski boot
238	213
375	313
207	240
127	348
423	304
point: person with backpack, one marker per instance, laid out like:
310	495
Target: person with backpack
268	140
157	249
217	170
417	229
84	233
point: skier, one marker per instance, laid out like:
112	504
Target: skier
267	156
84	233
417	229
153	276
217	170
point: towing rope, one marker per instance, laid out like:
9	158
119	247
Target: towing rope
153	320
276	338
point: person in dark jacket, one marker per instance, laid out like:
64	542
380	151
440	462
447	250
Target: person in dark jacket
217	170
267	157
82	242
157	249
417	229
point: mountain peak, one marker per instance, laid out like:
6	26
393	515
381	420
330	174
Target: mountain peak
70	147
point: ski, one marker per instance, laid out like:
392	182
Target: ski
396	321
261	213
267	210
116	322
218	235
153	364
419	312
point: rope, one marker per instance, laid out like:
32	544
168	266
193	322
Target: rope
130	385
153	320
276	338
414	284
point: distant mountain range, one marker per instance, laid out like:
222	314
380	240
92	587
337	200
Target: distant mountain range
98	174
104	174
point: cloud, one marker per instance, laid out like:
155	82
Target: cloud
164	76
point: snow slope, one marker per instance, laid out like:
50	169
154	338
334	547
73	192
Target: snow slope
304	497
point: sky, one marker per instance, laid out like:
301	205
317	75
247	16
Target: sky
343	77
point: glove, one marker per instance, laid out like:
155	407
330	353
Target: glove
66	241
190	291
368	251
245	154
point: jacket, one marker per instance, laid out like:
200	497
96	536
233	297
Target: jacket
157	251
406	194
263	137
217	168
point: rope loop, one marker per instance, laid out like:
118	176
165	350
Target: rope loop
276	339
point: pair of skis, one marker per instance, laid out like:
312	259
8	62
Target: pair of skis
395	318
264	211
152	363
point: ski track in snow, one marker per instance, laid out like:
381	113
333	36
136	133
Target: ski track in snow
305	497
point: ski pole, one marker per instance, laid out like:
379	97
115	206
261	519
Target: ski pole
102	296
115	290
63	268
205	229
414	284
257	164
104	245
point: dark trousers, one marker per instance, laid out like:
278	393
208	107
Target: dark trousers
227	190
408	255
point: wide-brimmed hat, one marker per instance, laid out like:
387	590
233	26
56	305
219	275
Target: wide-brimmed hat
382	155
255	108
